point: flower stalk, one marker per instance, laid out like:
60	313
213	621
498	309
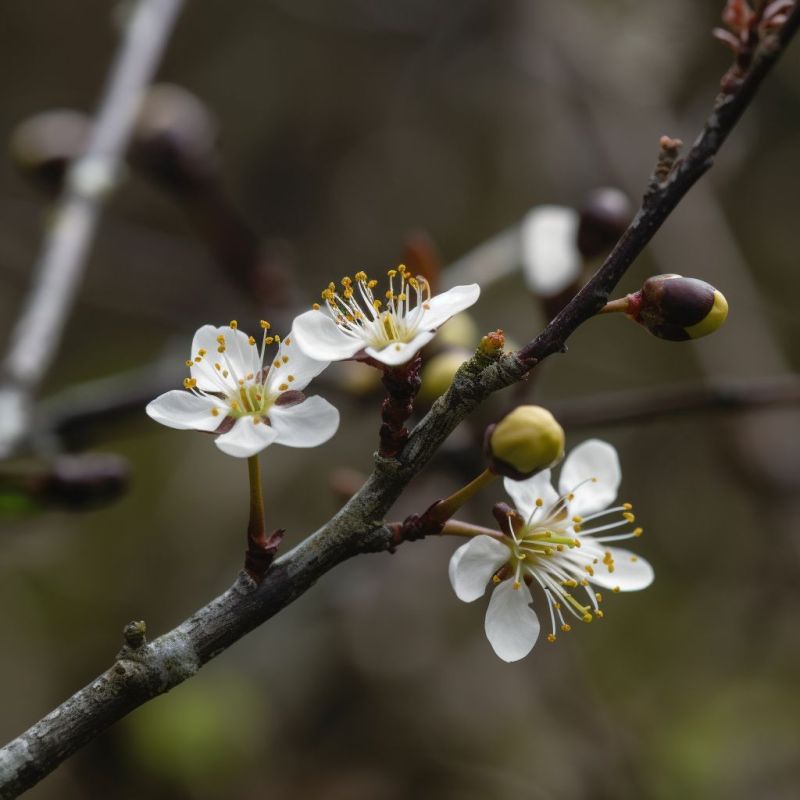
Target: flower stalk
261	549
402	384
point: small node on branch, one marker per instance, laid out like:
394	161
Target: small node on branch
492	344
667	158
674	308
261	553
134	634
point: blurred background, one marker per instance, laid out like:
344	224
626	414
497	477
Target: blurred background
309	140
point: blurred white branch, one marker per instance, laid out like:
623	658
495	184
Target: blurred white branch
58	271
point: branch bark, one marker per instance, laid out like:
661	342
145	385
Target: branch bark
147	670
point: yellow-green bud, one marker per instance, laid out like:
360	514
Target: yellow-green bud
459	331
676	308
525	441
439	371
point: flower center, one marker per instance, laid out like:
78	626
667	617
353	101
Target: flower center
561	553
240	378
357	311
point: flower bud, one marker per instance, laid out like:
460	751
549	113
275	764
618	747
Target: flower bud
88	480
676	308
439	371
525	441
43	146
603	219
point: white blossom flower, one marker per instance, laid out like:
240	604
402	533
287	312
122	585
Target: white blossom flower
558	541
549	247
391	332
250	404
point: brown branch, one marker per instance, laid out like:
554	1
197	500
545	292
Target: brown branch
147	670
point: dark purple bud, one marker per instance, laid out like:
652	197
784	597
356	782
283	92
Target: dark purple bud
603	219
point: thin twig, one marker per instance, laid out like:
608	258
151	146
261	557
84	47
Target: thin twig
147	670
58	272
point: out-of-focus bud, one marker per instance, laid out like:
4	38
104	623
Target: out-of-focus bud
439	371
550	259
603	219
459	331
43	146
421	256
174	139
676	308
85	481
525	441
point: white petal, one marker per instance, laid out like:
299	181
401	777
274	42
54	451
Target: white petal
246	438
473	564
398	353
592	459
629	575
320	338
239	358
302	368
550	257
445	305
525	493
305	424
186	411
512	626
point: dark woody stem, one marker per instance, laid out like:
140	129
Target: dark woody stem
402	384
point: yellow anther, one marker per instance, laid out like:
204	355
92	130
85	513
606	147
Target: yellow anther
188	362
221	348
426	306
516	585
570	496
315	306
566	628
392	273
218	366
360	276
214	412
372	284
539	502
224	373
615	589
249	376
189	383
577	519
376	304
285	359
495	579
290	378
638	532
221	339
577	528
598	597
346	281
264	325
241	381
233	324
277	339
627	506
560	548
401	268
594	480
551	637
283	387
287	341
201	352
348	293
198	359
235	405
628	517
389	294
634	559
251	341
589	569
269	340
598	613
584	582
276	363
576	543
401	297
587	617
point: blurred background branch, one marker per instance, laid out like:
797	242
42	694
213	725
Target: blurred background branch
57	274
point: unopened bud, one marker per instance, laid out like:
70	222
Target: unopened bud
439	371
525	441
174	139
43	146
676	308
85	481
603	219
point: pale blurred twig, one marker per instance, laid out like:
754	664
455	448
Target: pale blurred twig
58	271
